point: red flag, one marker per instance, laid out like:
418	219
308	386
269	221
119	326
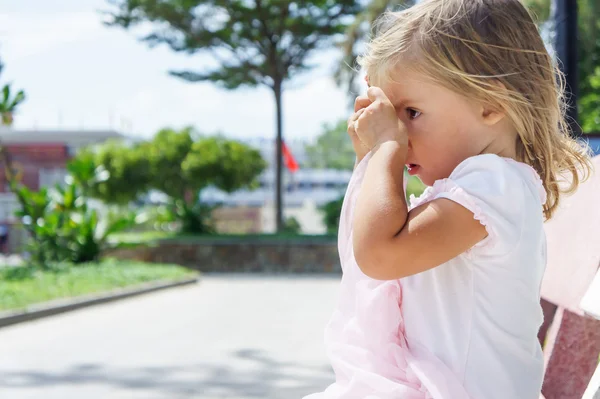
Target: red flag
288	158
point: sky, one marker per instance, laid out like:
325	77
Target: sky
80	74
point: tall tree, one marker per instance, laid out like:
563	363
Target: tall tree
588	56
589	104
256	42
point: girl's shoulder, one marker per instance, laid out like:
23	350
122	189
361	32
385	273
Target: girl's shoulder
502	194
488	175
498	176
499	171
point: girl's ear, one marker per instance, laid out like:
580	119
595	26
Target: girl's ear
493	114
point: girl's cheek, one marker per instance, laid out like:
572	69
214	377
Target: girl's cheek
417	127
412	131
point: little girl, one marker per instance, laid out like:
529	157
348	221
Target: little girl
441	298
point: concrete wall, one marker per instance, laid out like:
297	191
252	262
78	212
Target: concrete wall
276	256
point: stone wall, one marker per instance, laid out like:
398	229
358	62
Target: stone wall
238	220
240	255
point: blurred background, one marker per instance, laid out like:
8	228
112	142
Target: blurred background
158	143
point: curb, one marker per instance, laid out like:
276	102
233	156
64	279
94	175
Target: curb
54	307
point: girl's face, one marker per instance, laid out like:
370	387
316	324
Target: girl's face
443	127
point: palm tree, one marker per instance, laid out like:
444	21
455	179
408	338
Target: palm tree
8	103
357	33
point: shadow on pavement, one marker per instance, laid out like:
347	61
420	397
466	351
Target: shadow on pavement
262	377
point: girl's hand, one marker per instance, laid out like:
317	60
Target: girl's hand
378	122
359	148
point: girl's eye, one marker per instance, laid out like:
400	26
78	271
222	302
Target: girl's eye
413	113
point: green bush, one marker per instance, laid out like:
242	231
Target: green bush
331	215
195	218
62	226
292	226
333	209
176	163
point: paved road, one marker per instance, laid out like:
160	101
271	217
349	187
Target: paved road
240	337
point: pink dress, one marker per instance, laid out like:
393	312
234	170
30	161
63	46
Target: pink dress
448	333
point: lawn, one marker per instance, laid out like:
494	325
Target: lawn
147	237
139	237
24	286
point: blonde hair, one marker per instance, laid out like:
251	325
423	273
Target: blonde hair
490	51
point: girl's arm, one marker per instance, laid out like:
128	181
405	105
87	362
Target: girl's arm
390	242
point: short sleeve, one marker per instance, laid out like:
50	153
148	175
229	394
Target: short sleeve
497	194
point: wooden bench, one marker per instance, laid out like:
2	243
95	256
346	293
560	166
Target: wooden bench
571	337
590	304
593	391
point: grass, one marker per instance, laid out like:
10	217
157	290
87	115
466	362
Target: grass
147	237
24	286
253	237
139	237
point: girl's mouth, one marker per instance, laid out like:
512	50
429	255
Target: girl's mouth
413	169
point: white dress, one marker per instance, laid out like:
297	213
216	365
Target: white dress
465	329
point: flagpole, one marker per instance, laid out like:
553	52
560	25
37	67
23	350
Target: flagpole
290	163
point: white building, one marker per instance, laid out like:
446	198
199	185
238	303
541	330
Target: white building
304	191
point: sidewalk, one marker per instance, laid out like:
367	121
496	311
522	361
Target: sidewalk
241	337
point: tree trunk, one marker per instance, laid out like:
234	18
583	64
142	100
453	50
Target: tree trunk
565	18
278	89
8	167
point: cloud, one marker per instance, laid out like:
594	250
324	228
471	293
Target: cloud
26	34
241	113
77	73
